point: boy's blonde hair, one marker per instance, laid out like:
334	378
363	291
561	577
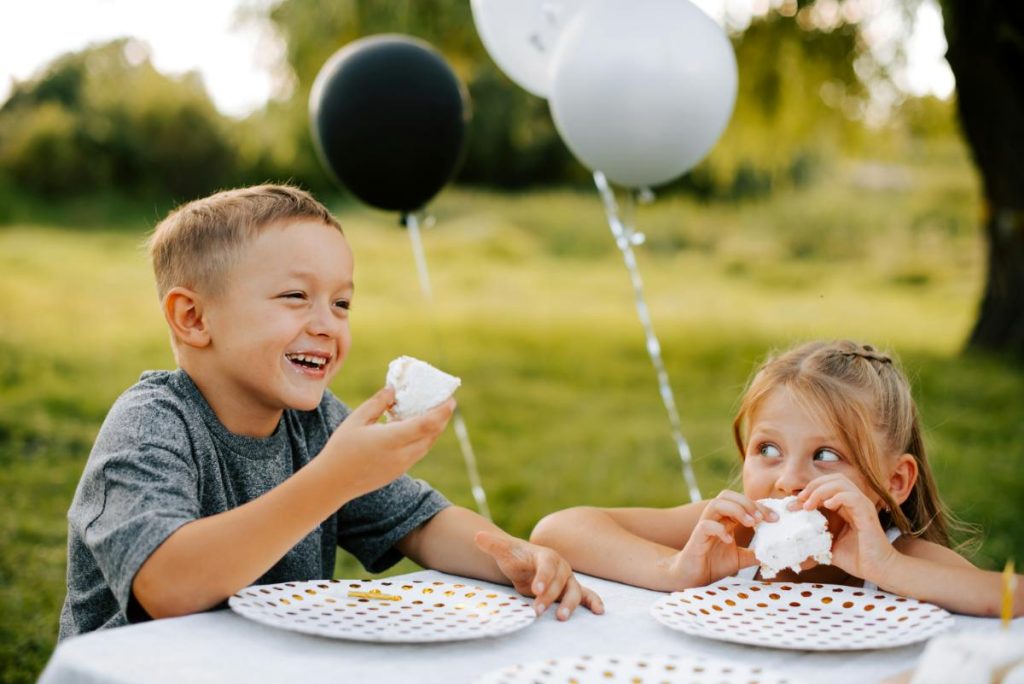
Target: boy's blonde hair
862	394
198	243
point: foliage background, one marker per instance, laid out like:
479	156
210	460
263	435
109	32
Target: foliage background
805	221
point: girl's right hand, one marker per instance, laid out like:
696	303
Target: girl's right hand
711	552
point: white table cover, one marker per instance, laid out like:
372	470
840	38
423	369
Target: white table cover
224	647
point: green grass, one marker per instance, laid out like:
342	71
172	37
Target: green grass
533	309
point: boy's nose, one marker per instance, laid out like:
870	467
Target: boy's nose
323	321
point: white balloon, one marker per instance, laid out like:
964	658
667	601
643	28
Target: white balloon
642	89
521	36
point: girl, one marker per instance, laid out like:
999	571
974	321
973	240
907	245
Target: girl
835	425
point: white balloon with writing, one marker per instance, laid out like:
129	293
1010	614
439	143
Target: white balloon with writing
521	36
642	90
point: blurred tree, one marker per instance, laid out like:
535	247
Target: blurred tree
105	118
986	53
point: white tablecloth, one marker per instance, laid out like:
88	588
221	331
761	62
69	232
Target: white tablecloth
223	647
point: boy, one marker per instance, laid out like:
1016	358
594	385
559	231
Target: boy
240	467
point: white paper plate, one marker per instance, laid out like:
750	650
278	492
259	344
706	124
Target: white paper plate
809	617
656	669
419	611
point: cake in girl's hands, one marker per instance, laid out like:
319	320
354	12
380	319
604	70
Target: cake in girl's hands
418	387
795	537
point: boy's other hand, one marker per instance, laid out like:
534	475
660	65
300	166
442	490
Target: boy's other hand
376	453
539	571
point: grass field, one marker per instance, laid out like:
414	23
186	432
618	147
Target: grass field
533	309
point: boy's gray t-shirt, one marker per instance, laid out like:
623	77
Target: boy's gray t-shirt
163	459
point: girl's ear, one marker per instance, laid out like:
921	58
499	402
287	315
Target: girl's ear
183	309
903	477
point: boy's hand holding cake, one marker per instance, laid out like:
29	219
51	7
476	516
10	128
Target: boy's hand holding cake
418	387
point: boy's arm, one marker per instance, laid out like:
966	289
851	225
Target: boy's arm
207	560
461	542
933	573
632	545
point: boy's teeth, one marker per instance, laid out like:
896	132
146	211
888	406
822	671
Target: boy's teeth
319	361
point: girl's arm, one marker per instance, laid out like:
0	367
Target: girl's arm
933	573
632	545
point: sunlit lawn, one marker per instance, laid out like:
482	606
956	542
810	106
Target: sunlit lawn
533	309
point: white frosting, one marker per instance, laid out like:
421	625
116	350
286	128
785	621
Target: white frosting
795	537
418	387
971	658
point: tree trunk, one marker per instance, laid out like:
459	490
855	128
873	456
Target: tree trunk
986	54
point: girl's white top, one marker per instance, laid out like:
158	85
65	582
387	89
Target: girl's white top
795	537
418	387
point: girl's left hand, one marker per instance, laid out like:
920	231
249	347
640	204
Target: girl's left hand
860	547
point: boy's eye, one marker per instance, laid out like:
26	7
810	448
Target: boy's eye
293	295
827	455
769	451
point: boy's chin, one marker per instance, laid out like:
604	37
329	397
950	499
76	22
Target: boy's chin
306	402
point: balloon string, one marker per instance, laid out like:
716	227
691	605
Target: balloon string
461	432
625	238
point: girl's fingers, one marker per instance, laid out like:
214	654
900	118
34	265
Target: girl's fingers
712	529
823	488
737	507
745	557
847	505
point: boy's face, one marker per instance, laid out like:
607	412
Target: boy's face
279	331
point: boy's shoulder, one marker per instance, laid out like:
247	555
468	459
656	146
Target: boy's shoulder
162	396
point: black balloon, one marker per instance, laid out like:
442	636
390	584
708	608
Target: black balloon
389	120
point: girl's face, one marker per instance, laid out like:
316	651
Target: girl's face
788	447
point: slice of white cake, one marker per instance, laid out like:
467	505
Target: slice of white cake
971	658
795	537
418	387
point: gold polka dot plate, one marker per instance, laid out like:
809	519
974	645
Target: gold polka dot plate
807	617
630	669
412	611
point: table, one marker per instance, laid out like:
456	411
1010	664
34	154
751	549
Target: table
223	647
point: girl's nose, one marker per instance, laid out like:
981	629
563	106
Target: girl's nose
793	478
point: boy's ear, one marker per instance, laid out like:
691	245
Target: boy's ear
903	478
183	309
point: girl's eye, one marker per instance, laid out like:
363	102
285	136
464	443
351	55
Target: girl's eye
769	451
293	295
343	304
826	455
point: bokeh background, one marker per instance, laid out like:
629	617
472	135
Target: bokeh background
839	203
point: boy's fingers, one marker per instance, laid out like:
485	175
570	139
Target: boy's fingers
560	574
372	409
543	579
495	545
571	598
592	601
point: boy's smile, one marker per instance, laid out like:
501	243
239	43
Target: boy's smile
279	331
